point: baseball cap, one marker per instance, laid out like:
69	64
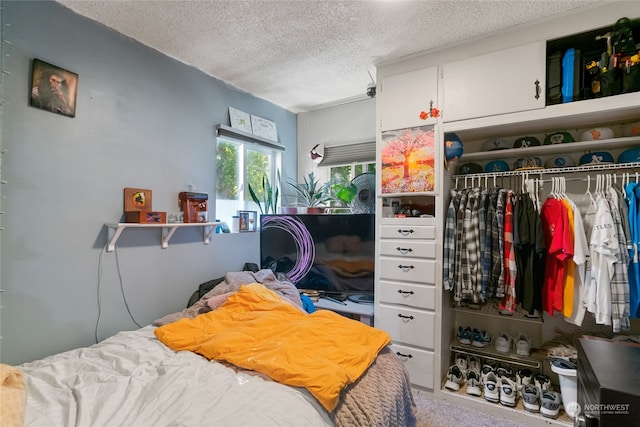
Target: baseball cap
528	163
632	129
495	144
596	134
526	141
496	166
631	155
558	138
467	168
596	157
559	162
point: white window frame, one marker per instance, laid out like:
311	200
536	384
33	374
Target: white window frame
226	209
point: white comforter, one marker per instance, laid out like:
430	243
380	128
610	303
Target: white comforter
132	379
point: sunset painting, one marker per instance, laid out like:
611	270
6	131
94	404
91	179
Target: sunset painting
408	160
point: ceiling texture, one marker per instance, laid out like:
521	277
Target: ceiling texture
305	54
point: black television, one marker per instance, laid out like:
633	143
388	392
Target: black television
331	253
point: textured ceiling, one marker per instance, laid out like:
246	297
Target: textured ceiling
303	55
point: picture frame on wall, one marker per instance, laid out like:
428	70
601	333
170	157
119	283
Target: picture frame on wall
247	221
240	120
264	128
53	88
408	160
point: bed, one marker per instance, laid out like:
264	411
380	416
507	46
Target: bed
192	368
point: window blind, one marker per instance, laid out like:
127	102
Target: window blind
361	152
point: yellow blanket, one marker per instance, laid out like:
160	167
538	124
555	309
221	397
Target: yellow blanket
256	329
13	396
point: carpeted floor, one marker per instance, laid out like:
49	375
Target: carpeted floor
437	413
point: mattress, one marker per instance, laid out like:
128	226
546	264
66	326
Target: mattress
133	379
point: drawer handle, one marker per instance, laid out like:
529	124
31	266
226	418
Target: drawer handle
400	291
405	317
405	232
408	356
404	250
406	267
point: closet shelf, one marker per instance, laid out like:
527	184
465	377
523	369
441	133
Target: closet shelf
114	231
569	147
492	311
556	171
490	353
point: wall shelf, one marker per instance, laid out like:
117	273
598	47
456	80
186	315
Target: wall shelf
114	231
223	130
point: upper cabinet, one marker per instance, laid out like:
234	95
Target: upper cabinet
501	82
403	96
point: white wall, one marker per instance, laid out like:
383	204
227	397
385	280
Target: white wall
338	125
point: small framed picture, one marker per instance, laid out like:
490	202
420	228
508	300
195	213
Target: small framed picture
240	120
264	128
247	221
53	88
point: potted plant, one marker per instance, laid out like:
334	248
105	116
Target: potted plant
269	193
311	194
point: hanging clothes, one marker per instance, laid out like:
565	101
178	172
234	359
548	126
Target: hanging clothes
558	240
632	191
620	278
580	263
603	246
508	302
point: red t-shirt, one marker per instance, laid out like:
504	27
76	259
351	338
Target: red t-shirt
559	241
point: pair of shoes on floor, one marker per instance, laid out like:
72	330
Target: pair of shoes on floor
469	367
500	389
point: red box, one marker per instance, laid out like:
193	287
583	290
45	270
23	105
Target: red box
141	217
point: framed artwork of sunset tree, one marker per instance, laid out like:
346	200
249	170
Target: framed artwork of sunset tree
408	163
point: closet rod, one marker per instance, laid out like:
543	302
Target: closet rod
555	171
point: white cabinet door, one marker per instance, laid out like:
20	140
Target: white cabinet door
402	97
501	82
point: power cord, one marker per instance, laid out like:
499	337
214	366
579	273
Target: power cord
99	296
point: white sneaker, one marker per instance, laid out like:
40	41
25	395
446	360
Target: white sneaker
491	389
523	344
455	378
524	377
508	392
542	382
486	370
503	342
462	362
473	383
475	365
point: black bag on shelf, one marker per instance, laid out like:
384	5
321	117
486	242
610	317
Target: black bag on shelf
611	82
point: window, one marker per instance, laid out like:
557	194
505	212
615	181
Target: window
342	175
342	163
238	164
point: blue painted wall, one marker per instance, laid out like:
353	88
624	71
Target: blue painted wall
143	120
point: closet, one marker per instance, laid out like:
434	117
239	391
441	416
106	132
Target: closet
478	124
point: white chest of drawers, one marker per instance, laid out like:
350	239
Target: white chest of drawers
406	292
